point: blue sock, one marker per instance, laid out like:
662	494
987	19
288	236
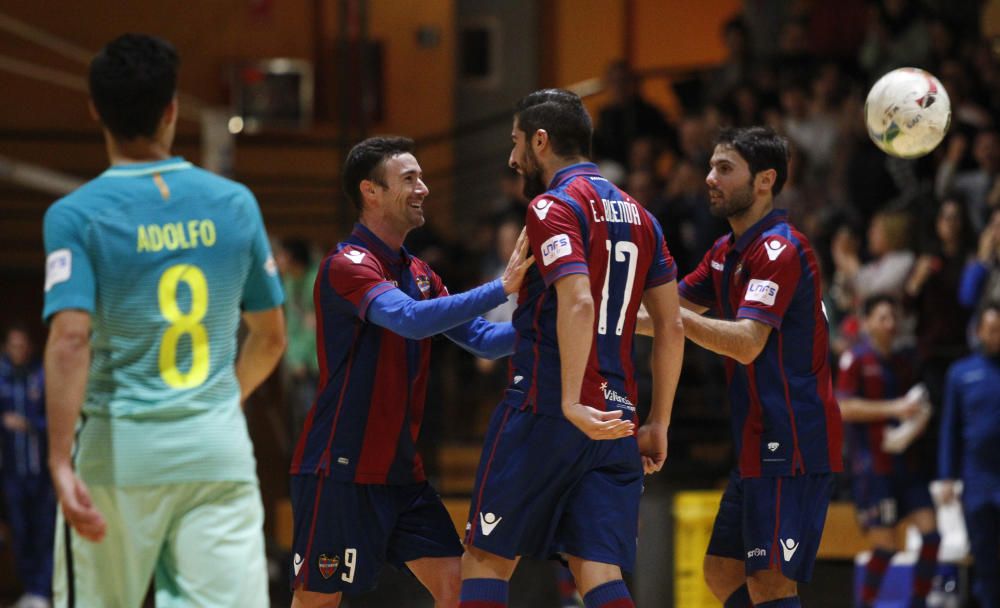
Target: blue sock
483	593
613	594
739	599
785	602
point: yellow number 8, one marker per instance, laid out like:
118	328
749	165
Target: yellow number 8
184	323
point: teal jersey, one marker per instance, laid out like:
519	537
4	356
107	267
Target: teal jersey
164	256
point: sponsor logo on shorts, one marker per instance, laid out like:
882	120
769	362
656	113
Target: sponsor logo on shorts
758	552
773	446
788	548
328	565
613	396
297	563
518	378
488	521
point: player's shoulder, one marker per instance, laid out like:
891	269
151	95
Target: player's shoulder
777	244
969	363
552	202
350	257
78	204
218	186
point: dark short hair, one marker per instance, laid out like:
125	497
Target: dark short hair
132	80
874	301
762	148
562	115
366	160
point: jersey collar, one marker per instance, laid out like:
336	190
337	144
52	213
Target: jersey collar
367	238
567	173
776	216
174	163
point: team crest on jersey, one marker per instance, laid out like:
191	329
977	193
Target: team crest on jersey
328	565
423	284
541	207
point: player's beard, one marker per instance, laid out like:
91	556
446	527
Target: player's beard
736	204
534	181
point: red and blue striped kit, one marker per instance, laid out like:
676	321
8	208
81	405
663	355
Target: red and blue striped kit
866	374
369	405
784	416
585	225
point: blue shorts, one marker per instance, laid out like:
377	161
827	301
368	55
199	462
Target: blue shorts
773	522
883	500
345	532
543	488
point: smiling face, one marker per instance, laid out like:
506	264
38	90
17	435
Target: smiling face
730	185
400	192
523	160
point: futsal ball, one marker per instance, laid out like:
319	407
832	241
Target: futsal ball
907	112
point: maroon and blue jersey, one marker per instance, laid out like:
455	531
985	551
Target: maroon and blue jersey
364	424
784	416
866	374
585	225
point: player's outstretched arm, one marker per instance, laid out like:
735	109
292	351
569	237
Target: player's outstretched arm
484	339
67	362
857	409
644	323
663	305
742	339
262	348
574	330
418	319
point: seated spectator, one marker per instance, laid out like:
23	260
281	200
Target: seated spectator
981	277
890	262
897	37
931	293
626	118
976	184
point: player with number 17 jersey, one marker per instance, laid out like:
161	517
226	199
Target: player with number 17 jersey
583	225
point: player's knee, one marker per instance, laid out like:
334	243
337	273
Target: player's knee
722	577
477	563
768	585
448	587
589	574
